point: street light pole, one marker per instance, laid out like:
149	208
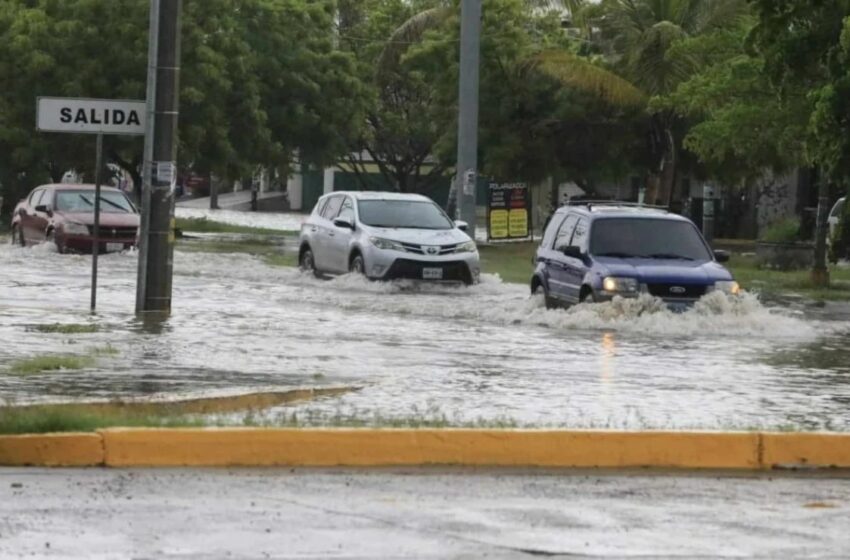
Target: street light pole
153	291
467	123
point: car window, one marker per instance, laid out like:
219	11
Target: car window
647	238
347	210
46	198
552	229
580	234
565	232
415	214
111	202
35	196
317	210
331	209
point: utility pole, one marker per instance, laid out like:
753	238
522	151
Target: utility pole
467	122
96	245
708	213
156	251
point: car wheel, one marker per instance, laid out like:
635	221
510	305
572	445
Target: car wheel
17	237
51	238
588	297
357	265
549	301
307	262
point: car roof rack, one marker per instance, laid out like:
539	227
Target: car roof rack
591	203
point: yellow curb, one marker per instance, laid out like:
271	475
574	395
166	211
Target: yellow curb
52	450
806	449
376	447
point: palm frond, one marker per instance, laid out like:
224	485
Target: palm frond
580	73
408	33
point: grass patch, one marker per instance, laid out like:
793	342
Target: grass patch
107	350
511	261
203	225
67	328
40	364
270	252
46	419
769	281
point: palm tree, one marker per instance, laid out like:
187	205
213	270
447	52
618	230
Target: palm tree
640	36
636	38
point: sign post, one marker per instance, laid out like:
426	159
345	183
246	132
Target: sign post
91	116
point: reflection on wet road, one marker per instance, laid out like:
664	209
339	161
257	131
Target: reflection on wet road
486	352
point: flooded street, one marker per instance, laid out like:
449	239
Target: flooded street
487	353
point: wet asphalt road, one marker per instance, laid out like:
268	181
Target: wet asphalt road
418	514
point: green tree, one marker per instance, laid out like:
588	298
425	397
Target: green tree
803	44
641	37
260	80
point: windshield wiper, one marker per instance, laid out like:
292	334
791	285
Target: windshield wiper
115	204
669	256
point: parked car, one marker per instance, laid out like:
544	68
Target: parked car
386	236
64	214
593	252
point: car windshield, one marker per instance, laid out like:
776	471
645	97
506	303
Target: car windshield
83	201
416	214
647	238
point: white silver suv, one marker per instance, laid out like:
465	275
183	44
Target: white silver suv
386	236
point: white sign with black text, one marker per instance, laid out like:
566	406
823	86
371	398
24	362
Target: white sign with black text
93	116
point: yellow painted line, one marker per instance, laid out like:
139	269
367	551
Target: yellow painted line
52	450
368	447
822	450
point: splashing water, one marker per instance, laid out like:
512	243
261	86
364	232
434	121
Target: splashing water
489	351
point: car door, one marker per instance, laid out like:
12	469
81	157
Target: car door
556	261
325	233
339	238
30	220
576	268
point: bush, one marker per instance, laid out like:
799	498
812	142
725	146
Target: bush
783	231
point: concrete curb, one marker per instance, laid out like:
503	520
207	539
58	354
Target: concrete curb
410	447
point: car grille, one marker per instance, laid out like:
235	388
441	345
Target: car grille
115	232
678	291
423	249
405	268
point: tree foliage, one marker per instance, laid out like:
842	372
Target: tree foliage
260	80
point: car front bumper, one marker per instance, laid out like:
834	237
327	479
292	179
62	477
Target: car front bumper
86	243
384	264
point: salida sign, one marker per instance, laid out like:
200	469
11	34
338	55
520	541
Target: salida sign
93	116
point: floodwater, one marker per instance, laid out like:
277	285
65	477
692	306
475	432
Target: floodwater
486	353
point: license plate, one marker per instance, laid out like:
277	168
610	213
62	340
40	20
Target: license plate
432	273
112	247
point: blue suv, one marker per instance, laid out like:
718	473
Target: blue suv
595	251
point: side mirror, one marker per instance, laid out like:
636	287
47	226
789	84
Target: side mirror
572	251
722	256
44	208
344	223
461	225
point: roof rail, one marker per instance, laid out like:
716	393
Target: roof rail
591	203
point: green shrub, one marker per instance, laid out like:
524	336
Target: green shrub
783	231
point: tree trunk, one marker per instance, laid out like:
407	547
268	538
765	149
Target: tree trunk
213	194
820	272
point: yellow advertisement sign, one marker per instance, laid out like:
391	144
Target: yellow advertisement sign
518	222
498	224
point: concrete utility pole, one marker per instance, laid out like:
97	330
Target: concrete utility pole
467	121
156	251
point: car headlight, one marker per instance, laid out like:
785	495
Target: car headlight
386	244
466	247
75	229
620	285
728	287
